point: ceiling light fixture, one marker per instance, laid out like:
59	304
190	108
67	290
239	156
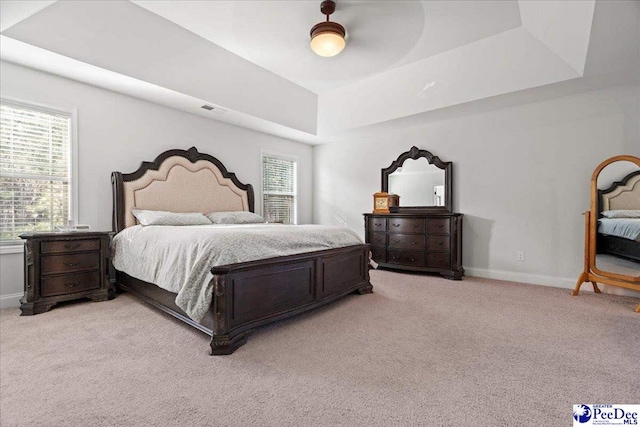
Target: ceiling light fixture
327	38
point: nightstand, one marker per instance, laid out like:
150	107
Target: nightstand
65	266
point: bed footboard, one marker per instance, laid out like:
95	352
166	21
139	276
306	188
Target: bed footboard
253	294
256	293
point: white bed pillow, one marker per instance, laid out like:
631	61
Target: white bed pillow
240	217
622	213
147	217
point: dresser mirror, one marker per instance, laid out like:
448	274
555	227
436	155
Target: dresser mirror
422	181
612	226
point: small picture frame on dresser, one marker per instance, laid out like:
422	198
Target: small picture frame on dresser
65	266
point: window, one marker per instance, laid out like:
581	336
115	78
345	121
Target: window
279	182
35	169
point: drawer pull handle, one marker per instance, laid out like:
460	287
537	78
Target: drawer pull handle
71	264
439	225
70	246
396	225
440	243
396	241
413	242
412	259
378	224
416	225
71	285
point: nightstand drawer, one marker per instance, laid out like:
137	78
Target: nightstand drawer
69	263
439	243
377	224
439	260
406	241
69	283
62	246
413	258
406	225
438	226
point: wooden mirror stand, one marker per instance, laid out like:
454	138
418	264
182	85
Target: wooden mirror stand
591	273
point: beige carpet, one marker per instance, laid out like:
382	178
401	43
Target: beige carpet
421	350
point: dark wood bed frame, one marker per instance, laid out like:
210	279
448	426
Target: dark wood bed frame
251	294
613	245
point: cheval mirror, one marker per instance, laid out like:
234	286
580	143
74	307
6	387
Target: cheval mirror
612	226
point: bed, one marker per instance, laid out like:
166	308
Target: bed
619	234
243	295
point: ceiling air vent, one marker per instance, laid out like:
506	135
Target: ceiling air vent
214	109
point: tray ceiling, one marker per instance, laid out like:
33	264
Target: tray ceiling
251	59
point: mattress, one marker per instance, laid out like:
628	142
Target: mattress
627	228
179	258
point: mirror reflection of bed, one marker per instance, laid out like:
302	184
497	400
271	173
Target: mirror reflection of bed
618	238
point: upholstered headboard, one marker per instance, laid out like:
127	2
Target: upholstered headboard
178	181
621	195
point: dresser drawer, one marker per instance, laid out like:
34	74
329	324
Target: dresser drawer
379	254
406	225
439	260
438	226
62	246
69	283
377	224
412	258
378	239
69	263
439	243
407	241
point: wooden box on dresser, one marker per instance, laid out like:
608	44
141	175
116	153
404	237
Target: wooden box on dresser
63	267
426	242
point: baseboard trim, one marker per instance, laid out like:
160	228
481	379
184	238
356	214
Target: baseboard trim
542	280
512	276
10	301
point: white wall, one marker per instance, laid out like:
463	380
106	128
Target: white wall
116	132
520	175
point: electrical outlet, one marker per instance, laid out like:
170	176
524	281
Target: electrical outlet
520	256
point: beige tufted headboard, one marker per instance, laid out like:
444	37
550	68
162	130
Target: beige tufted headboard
621	195
178	181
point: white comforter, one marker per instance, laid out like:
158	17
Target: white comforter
178	258
627	228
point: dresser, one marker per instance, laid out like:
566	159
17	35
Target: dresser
426	242
63	267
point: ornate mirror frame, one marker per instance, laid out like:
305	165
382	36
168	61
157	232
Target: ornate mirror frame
416	153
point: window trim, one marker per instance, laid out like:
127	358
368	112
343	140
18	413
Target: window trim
282	156
73	147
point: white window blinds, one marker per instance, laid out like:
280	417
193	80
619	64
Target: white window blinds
34	170
278	189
